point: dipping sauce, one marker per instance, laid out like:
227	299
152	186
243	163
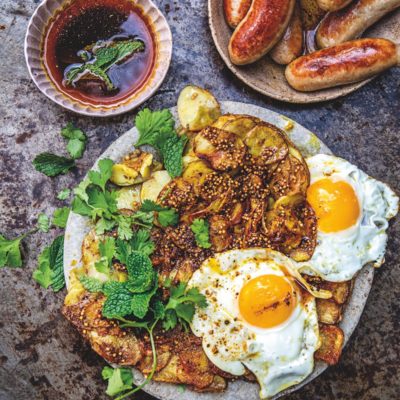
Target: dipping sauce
99	51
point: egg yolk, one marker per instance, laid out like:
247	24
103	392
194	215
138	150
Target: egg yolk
335	204
267	301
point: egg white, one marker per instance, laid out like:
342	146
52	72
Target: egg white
340	255
279	357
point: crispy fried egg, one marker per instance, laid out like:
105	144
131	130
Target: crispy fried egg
257	317
352	210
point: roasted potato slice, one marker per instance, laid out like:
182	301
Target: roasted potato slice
128	198
332	338
340	290
196	173
329	312
223	150
223	119
135	168
197	108
266	144
240	126
220	236
152	188
178	194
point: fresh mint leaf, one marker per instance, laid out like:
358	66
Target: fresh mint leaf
43	223
171	152
92	285
118	302
50	270
101	177
149	123
75	148
119	380
60	216
10	252
141	274
52	165
140	304
200	228
63	194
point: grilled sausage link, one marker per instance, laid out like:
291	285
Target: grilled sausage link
291	45
345	63
350	22
260	30
333	5
235	11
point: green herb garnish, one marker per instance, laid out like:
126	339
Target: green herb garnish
10	252
52	165
200	228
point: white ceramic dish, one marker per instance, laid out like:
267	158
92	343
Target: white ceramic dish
309	144
33	44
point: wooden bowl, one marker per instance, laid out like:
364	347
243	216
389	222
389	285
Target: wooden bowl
268	78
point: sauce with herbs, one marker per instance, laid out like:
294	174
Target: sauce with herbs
76	33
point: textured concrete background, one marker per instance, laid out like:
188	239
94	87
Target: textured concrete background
41	355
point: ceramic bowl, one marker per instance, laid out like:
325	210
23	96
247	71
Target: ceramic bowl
268	78
33	49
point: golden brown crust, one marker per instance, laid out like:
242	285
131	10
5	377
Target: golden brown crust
260	30
350	22
291	44
345	63
235	11
332	339
333	5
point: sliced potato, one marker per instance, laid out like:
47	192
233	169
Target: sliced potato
223	119
132	170
332	338
329	312
196	171
197	108
152	188
266	144
240	126
128	197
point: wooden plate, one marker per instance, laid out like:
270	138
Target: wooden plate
309	144
268	78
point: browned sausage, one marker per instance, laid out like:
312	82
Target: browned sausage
291	45
235	11
345	63
352	21
260	30
333	5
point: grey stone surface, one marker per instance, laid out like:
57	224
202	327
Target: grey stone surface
41	355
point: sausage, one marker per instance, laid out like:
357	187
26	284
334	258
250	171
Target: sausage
352	21
260	30
291	45
345	63
235	11
333	5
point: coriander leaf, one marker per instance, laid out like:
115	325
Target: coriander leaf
118	302
102	266
142	242
80	207
92	285
141	274
150	205
70	132
104	225
122	250
50	270
195	296
106	250
80	190
150	123
42	274
124	227
52	165
101	177
43	223
75	148
171	152
200	228
168	217
170	320
119	380
185	312
60	216
144	219
63	194
10	252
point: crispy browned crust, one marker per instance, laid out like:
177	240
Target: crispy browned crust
260	30
332	338
235	11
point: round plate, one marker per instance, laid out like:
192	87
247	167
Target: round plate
308	144
33	45
268	78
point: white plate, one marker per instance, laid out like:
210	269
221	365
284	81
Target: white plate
309	144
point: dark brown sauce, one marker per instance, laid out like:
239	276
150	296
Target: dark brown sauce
82	23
